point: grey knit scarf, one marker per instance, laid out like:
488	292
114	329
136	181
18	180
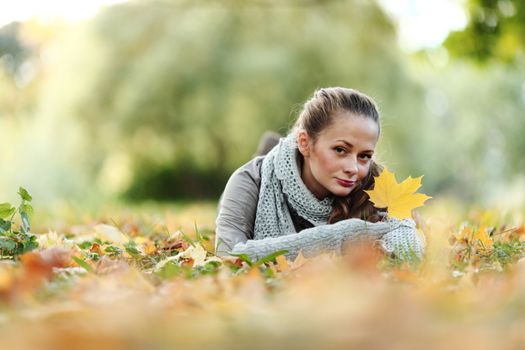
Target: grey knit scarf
282	186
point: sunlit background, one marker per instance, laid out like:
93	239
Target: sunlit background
162	100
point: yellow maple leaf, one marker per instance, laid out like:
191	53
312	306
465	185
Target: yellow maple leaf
399	198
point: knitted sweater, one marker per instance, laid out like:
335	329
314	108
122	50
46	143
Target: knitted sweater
236	218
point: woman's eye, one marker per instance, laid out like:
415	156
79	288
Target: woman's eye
366	156
339	150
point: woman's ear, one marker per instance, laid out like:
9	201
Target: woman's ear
303	143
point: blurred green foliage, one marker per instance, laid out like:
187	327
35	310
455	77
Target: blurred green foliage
164	99
12	50
159	88
496	29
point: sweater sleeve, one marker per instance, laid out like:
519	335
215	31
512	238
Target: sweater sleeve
316	240
237	207
404	242
236	219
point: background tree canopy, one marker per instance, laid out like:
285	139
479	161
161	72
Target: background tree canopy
164	99
179	94
496	29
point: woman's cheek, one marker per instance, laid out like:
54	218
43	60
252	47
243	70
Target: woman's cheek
363	171
328	161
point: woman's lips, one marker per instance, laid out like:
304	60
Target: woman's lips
345	183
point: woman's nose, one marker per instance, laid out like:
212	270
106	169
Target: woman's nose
350	166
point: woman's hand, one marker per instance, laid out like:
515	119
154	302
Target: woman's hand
394	237
403	242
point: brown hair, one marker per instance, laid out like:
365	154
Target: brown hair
317	114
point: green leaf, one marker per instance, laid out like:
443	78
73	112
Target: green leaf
268	272
93	256
270	257
25	221
27	208
4	225
113	251
244	257
210	267
24	194
131	249
6	210
83	264
7	245
169	270
84	245
31	244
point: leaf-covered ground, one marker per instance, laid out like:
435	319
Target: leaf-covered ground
146	278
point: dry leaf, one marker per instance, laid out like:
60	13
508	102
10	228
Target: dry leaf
363	256
467	234
38	266
399	198
299	261
149	248
282	263
196	254
110	233
483	237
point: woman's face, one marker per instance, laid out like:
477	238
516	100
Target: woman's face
340	157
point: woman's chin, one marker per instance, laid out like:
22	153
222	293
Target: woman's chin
342	192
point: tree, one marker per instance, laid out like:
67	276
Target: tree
180	93
496	30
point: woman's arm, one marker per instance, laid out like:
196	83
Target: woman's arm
237	207
316	240
236	218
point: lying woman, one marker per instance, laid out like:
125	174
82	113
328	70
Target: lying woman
307	194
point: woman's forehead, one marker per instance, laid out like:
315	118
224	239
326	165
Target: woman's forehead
352	127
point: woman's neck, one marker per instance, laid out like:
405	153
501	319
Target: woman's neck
309	180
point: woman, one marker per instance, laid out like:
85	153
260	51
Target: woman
307	193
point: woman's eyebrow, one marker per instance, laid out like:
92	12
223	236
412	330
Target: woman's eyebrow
346	143
352	146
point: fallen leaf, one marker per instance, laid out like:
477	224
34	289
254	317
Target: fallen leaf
468	235
483	237
110	233
197	253
38	266
282	263
149	248
299	261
